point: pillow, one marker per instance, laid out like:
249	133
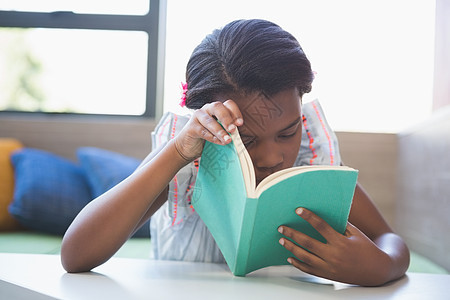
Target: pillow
105	169
49	191
7	146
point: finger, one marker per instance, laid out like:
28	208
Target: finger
305	267
223	114
303	255
234	108
209	129
303	240
318	223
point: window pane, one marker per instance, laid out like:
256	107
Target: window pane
134	7
82	71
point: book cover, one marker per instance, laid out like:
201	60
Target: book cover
244	221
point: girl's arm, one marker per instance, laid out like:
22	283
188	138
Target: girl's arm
105	224
368	254
366	217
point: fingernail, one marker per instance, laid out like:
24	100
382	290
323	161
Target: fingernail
231	127
281	241
299	211
289	260
239	121
280	229
226	138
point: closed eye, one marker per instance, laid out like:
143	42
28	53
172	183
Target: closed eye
287	135
290	131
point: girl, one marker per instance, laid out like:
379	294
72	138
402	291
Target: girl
251	74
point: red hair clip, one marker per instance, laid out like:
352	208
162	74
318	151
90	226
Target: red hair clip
184	89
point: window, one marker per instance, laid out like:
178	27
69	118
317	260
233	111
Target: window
112	7
89	57
374	58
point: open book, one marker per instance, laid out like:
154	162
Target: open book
243	219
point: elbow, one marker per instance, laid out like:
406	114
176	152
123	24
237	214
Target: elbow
72	267
70	263
77	258
71	259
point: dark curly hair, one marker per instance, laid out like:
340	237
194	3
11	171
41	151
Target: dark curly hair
246	56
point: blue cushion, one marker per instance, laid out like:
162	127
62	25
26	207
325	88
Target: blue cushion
49	190
105	169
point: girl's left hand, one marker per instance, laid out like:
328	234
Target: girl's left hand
349	258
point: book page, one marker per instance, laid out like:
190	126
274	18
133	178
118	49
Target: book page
248	170
281	175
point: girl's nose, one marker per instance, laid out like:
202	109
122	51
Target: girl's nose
268	156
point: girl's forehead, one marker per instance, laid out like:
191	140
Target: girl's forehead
262	114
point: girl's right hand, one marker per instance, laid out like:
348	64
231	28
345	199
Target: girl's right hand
204	125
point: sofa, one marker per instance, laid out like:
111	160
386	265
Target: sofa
51	166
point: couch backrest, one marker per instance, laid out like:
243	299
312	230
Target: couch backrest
373	154
62	135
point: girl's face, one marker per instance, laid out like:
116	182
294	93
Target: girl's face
272	130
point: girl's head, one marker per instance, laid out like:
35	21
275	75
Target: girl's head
246	56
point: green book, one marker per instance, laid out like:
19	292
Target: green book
244	219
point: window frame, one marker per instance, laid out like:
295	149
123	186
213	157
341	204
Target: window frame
153	23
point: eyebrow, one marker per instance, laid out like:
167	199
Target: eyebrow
296	122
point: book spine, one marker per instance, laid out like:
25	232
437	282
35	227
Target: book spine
246	237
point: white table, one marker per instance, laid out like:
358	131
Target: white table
25	276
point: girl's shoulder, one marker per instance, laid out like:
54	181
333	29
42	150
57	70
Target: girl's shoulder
319	145
167	128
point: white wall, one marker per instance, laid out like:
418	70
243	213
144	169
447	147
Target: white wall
374	58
